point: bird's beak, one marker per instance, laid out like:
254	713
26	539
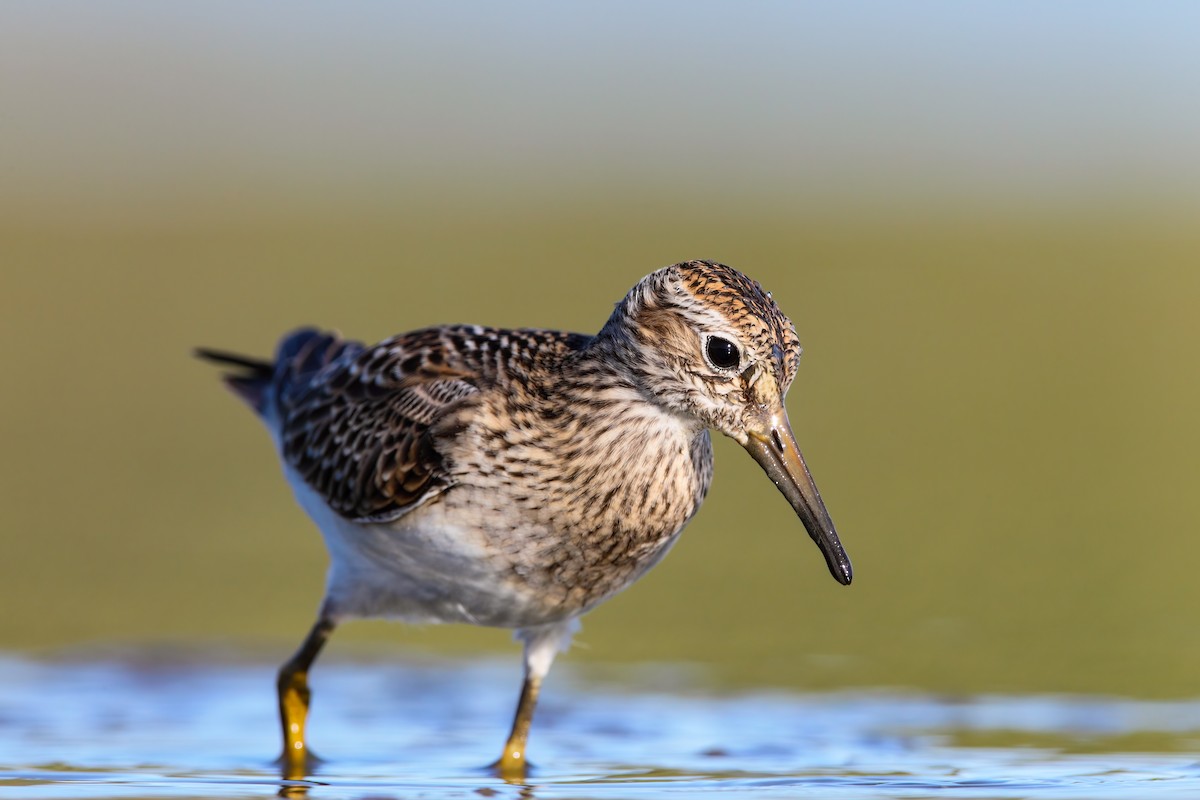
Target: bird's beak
770	441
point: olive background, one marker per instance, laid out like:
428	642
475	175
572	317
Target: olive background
981	218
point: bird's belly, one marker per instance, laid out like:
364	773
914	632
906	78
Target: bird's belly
421	568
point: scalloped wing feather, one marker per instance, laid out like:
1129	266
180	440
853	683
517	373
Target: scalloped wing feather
358	429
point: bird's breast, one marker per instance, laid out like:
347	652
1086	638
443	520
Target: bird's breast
577	510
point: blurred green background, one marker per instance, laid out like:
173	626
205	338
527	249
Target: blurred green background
981	217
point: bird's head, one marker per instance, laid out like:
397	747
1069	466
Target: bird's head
706	342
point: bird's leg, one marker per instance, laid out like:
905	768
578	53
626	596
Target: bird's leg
511	765
542	644
294	697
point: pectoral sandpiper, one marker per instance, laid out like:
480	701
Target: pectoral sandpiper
519	478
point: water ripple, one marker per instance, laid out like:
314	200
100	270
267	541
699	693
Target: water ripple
136	727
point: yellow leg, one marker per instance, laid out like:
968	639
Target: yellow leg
511	766
542	643
294	697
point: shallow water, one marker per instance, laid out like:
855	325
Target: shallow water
141	727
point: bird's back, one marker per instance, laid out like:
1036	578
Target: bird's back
357	422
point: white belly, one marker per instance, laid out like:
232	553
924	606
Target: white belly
419	569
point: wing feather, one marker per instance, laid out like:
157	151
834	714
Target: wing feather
357	429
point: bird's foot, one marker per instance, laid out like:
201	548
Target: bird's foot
297	764
511	767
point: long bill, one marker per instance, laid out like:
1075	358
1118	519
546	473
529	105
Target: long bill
774	447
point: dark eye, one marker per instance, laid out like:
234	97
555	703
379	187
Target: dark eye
722	353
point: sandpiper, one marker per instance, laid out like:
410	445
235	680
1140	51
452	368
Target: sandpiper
519	478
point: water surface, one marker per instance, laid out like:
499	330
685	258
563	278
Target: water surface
147	726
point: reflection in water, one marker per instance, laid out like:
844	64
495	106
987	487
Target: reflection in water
138	728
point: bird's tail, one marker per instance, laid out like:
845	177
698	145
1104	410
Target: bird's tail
252	379
301	355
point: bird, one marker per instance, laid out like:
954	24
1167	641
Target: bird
517	478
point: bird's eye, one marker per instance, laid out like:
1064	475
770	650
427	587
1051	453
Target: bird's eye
722	353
